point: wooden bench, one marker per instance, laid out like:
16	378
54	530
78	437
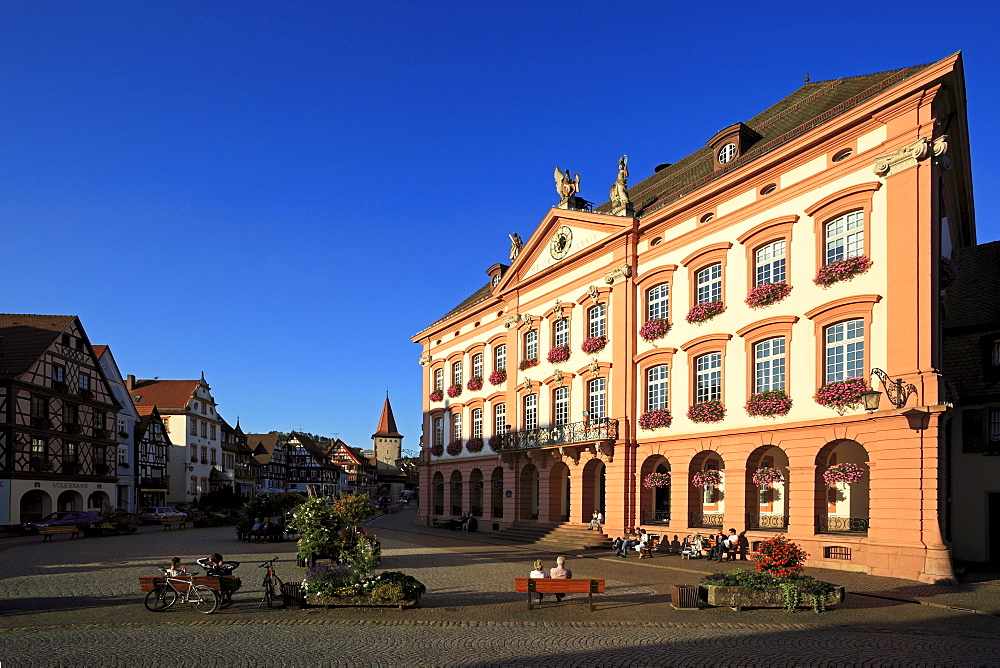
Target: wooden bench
652	543
48	532
170	522
589	586
226	585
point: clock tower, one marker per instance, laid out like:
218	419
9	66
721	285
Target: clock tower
387	442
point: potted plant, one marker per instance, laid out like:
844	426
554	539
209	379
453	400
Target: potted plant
704	312
767	476
846	473
769	403
654	480
767	294
654	328
527	363
842	270
437	450
655	419
707	478
495	441
558	354
475	383
454	391
455	447
707	411
474	445
594	344
436	395
498	377
841	395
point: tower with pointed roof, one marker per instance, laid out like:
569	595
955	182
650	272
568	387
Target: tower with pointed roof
387	441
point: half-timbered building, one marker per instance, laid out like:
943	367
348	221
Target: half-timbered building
360	469
309	470
153	448
269	453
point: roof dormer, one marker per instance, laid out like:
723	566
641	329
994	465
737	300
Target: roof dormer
496	273
732	142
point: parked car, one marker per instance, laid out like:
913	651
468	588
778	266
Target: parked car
64	518
157	513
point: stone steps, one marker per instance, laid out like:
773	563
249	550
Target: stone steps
566	533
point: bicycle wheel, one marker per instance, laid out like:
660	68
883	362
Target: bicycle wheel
272	592
204	599
160	599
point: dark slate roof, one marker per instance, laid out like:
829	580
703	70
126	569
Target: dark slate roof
25	337
387	423
972	301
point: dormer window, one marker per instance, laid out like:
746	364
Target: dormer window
727	153
731	143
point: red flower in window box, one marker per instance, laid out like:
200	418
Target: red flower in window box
527	364
704	312
707	411
436	395
495	441
842	270
475	384
455	391
437	449
841	395
707	478
594	344
455	447
559	354
655	419
767	294
498	377
474	445
654	328
769	403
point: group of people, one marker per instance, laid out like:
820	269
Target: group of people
559	572
213	565
259	530
633	539
724	546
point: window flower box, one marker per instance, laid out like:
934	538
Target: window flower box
454	448
842	270
454	391
767	294
707	411
654	480
707	478
527	364
594	344
475	384
437	450
654	328
495	441
846	473
474	445
497	486
704	312
498	377
559	354
841	395
655	419
767	476
769	404
436	395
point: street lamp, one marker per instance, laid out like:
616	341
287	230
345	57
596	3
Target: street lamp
897	393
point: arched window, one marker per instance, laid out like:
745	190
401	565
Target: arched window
531	411
844	354
656	387
499	419
845	237
531	345
500	357
477	423
560	332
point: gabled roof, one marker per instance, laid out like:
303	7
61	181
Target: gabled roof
148	416
263	446
310	446
167	395
25	337
99	350
387	423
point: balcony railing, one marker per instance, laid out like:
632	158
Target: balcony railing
828	524
656	517
764	522
706	520
602	429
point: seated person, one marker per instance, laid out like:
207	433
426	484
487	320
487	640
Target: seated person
631	540
471	524
264	532
176	568
537	573
254	530
216	565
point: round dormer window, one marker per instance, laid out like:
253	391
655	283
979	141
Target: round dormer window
727	153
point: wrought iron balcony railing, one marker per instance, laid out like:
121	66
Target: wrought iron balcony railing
588	431
656	517
705	520
765	522
829	524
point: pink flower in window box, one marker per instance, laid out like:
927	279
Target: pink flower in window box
475	384
841	395
528	363
436	395
654	328
767	294
495	441
454	448
498	377
704	312
559	354
654	480
707	411
437	449
474	445
846	473
767	476
655	419
769	404
594	344
842	270
455	391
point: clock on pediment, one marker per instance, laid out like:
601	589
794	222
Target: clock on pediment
561	241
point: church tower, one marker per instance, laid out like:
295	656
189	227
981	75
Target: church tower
387	441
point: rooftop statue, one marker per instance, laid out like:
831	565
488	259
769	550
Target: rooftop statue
620	204
515	245
566	186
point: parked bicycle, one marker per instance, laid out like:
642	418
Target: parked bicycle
272	585
162	597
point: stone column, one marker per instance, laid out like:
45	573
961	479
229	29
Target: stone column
735	500
802	502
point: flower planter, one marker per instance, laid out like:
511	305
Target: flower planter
594	344
842	270
771	597
358	602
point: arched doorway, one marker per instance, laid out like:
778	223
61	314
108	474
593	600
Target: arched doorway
456	493
767	504
496	492
706	504
842	507
476	493
559	493
593	490
654	498
527	493
69	500
35	504
437	493
98	501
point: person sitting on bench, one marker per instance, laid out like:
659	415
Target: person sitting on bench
560	572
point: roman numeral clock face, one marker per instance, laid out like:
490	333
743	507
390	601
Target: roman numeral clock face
561	242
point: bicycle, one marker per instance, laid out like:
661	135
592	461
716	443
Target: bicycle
272	585
162	598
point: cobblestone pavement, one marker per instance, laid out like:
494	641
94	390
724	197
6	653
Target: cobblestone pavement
76	602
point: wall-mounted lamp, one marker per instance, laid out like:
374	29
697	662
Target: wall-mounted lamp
897	393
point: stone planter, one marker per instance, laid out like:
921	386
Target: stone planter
357	602
772	597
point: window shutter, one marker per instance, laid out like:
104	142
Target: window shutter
973	430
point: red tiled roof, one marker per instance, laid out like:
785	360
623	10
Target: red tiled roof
99	350
387	423
145	409
167	395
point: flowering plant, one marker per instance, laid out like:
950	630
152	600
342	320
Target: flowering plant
527	364
455	447
847	473
766	294
498	377
654	328
779	556
475	484
948	272
707	411
705	311
437	449
655	419
495	441
454	391
498	485
842	270
841	395
474	445
456	485
558	354
706	478
594	344
767	476
436	395
769	403
656	480
475	383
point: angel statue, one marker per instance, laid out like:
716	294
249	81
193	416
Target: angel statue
566	186
620	204
515	245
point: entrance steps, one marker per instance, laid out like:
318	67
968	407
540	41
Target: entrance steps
571	534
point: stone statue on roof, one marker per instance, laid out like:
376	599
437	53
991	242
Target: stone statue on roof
515	245
620	203
566	186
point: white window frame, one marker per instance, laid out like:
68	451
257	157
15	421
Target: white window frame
844	237
500	357
477	423
560	332
456	425
531	345
456	373
438	431
709	284
708	377
597	399
658	301
657	387
477	365
560	406
530	411
844	350
769	364
769	263
499	419
597	320
439	379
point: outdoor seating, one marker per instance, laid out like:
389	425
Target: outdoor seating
48	532
589	586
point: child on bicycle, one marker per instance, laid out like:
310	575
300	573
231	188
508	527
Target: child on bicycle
176	568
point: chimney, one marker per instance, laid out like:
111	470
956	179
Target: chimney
130	382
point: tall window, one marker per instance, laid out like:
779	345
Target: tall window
71	414
845	237
58	373
212	431
39	407
596	321
845	350
456	426
769	263
477	365
709	283
531	345
531	411
438	431
596	399
456	373
477	423
560	405
769	365
500	357
204	454
100	420
213	454
560	332
84	381
204	430
194	453
439	379
39	448
500	419
994	433
657	301
708	378
71	453
194	427
656	387
708	495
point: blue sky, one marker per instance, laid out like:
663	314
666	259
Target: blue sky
281	194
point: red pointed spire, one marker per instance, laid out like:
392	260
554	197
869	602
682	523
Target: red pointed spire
387	423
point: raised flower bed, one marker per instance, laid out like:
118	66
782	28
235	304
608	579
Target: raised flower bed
498	377
844	474
341	587
842	270
528	363
789	595
707	478
475	384
654	328
454	391
654	480
767	294
559	354
474	445
436	395
704	312
455	447
594	344
707	411
769	404
656	419
842	395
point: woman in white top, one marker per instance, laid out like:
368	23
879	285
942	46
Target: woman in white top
538	573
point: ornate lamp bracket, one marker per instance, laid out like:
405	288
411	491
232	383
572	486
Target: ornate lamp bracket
897	393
